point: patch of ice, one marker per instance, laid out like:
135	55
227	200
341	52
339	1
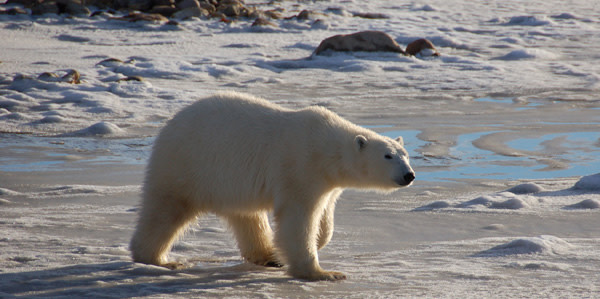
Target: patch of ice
4	191
434	206
528	21
545	244
564	15
132	88
588	183
524	54
52	119
586	204
495	226
99	129
539	266
427	7
70	190
526	188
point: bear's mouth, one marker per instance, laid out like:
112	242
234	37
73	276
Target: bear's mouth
406	180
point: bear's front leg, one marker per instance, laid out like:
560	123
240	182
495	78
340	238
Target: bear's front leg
296	237
326	223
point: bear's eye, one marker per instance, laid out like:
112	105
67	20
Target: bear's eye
388	157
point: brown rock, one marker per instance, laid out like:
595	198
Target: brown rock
74	8
370	15
110	62
188	3
44	8
131	78
305	15
263	22
419	45
25	3
49	77
232	10
165	10
163	2
191	12
138	16
208	6
141	5
14	11
367	41
273	14
72	77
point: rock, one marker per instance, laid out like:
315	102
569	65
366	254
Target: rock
138	16
13	11
25	3
191	12
320	24
141	5
45	8
187	4
367	41
163	3
305	15
131	78
110	62
423	47
370	15
72	77
235	9
49	77
263	22
75	9
208	6
101	3
165	10
273	14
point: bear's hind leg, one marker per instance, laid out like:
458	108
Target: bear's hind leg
254	237
160	224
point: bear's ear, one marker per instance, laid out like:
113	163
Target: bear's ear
361	142
400	140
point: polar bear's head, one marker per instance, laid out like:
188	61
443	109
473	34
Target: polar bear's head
382	162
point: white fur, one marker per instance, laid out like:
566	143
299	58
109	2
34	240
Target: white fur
240	157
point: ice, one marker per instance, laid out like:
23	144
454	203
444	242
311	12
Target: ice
585	204
528	197
537	245
526	188
529	21
528	54
588	183
101	128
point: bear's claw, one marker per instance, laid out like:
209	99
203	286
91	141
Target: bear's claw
274	264
174	266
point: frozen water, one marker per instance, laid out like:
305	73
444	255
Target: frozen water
536	245
588	183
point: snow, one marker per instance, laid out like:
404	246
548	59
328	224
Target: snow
536	245
588	183
502	130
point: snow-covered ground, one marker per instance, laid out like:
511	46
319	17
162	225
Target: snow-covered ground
503	131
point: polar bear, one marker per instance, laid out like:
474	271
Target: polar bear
241	157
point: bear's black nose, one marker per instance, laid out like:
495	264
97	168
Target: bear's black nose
409	177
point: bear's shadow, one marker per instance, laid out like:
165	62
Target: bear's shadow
126	279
